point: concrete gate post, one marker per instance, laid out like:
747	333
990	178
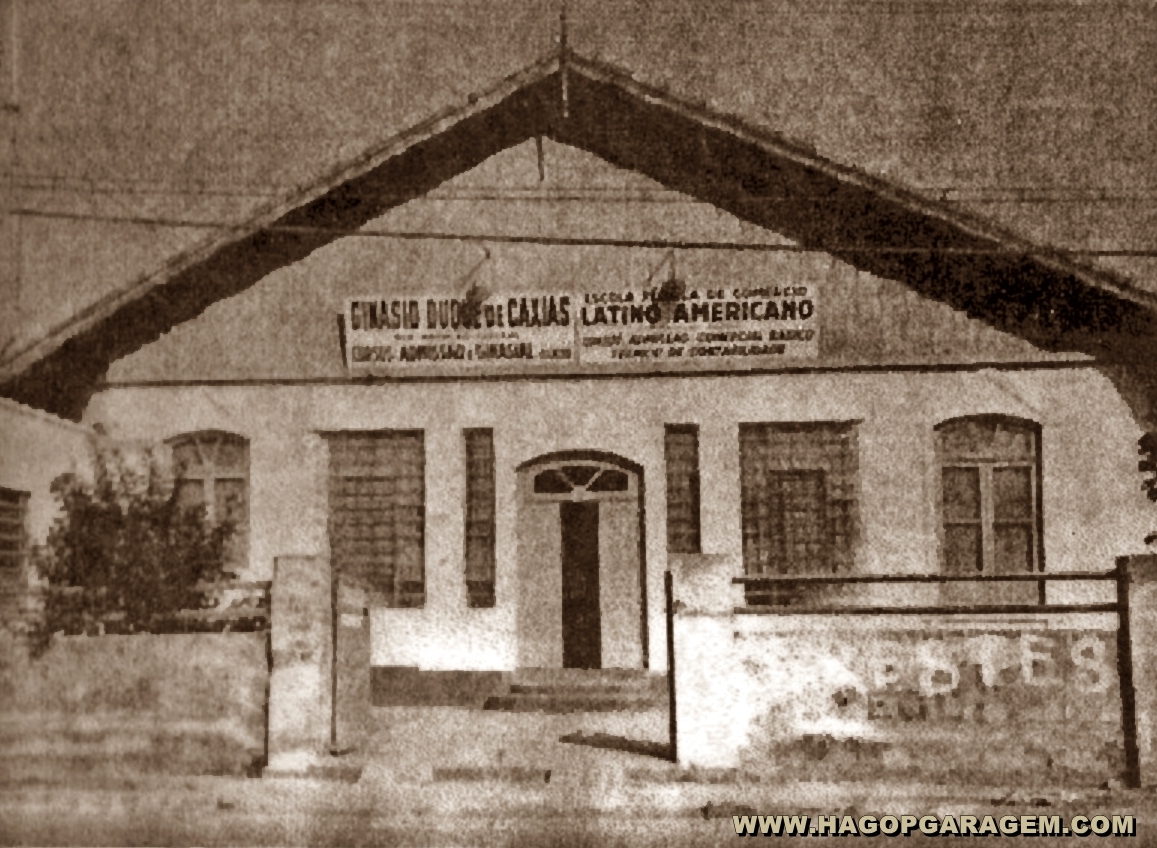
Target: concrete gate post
1137	664
351	668
299	690
708	732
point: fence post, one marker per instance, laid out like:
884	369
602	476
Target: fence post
669	592
1136	638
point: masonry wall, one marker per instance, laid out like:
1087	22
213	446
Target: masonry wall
127	705
860	697
1093	506
35	449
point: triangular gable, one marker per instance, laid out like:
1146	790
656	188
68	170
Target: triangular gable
285	328
1047	299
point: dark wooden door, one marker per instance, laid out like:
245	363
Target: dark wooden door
582	638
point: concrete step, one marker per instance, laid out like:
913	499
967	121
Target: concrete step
574	703
571	690
561	675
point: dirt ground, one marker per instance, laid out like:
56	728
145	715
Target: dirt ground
459	777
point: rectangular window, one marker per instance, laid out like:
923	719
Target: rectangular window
9	54
377	512
682	456
798	486
480	533
990	488
13	532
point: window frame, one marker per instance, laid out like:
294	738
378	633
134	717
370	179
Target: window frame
694	486
396	596
839	471
20	552
208	472
476	527
985	465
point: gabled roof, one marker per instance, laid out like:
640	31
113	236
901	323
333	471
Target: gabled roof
1046	297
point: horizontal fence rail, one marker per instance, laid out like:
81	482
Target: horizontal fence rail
764	586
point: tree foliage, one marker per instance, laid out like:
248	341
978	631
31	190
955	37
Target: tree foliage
125	556
1147	447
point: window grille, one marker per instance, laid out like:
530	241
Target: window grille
799	487
377	512
682	459
480	523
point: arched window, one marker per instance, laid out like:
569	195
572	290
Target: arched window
212	469
990	495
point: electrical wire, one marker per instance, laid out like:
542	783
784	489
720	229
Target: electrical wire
598	194
584	241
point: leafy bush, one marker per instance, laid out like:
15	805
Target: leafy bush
1147	447
125	556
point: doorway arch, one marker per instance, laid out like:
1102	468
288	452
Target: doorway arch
582	561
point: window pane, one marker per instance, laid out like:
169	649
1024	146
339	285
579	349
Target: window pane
580	475
1012	494
231	453
961	494
186	457
992	439
1013	548
230	501
610	481
795	528
189	493
550	482
962	551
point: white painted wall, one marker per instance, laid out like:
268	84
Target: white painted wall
1094	508
34	449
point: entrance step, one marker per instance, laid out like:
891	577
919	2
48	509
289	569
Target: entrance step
581	690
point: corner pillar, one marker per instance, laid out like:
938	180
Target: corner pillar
299	690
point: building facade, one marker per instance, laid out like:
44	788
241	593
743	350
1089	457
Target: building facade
518	507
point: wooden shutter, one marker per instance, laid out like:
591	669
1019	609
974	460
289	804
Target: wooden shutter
480	520
377	506
682	459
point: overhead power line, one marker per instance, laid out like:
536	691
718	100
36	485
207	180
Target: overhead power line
585	241
994	195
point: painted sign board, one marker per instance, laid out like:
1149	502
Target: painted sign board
384	335
733	323
625	327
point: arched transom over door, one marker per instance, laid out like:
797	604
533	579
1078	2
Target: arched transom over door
585	481
581	598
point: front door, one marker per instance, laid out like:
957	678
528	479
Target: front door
581	586
581	625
